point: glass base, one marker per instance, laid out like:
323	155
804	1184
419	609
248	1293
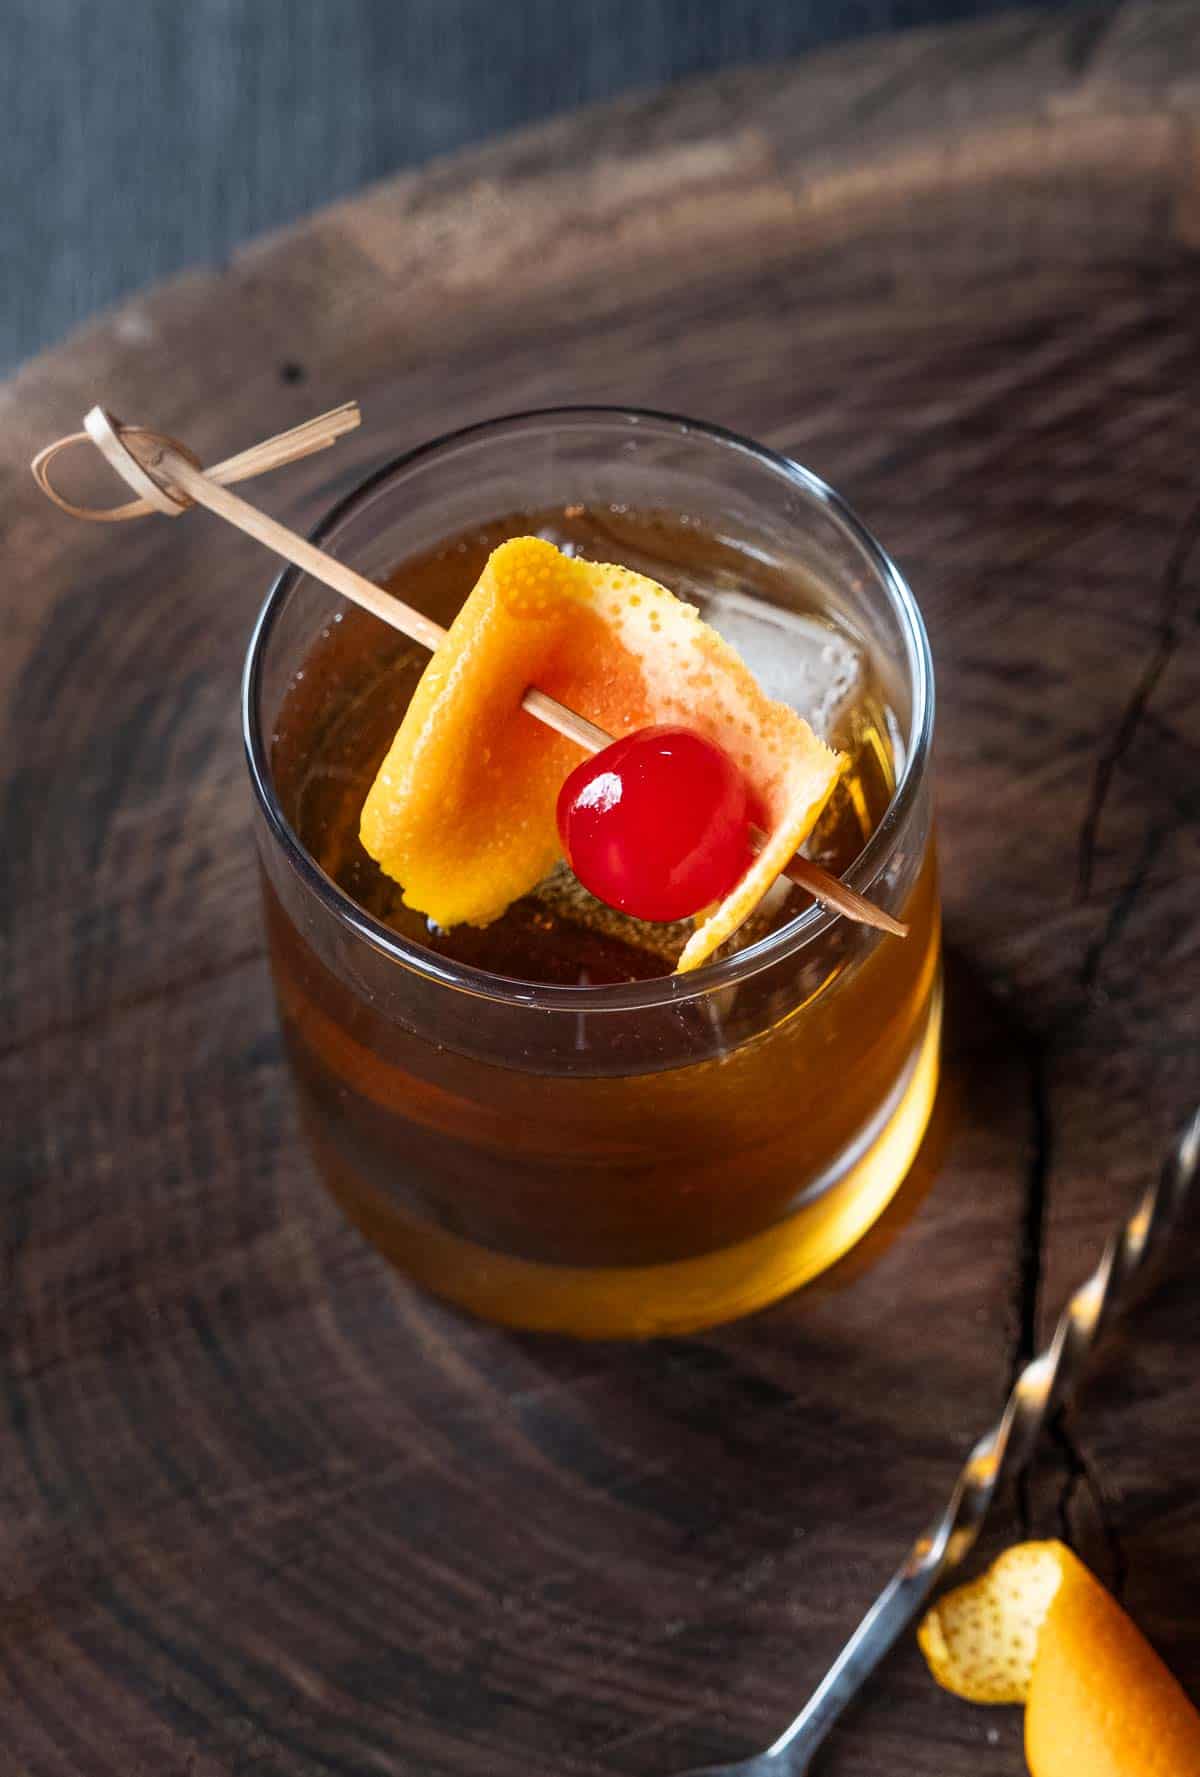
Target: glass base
644	1301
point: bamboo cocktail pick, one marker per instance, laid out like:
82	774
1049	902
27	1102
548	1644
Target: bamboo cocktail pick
168	479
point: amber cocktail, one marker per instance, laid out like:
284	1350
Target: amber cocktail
537	1118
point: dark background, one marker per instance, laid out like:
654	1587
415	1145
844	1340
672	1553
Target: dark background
140	136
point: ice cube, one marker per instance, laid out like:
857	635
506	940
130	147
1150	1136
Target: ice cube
799	659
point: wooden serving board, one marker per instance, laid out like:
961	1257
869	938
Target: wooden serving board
266	1510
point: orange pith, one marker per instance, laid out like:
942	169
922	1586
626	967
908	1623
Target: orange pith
1038	1628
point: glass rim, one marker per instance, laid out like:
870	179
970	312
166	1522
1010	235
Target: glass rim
659	990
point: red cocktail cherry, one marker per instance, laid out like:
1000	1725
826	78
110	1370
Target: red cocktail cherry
657	824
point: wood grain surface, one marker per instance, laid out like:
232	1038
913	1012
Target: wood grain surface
135	140
267	1511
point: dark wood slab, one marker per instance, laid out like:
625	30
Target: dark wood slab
267	1511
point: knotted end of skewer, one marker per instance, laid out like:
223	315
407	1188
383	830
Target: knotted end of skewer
143	458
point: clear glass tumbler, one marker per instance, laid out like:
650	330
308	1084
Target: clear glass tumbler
649	1157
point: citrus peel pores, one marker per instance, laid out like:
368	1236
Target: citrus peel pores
462	811
1038	1629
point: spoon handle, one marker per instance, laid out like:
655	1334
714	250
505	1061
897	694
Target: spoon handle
1044	1383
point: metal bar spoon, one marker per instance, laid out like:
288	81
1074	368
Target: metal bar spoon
1045	1383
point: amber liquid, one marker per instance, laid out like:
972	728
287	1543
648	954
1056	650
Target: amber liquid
658	1191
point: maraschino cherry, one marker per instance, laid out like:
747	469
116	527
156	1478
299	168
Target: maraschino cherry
657	824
